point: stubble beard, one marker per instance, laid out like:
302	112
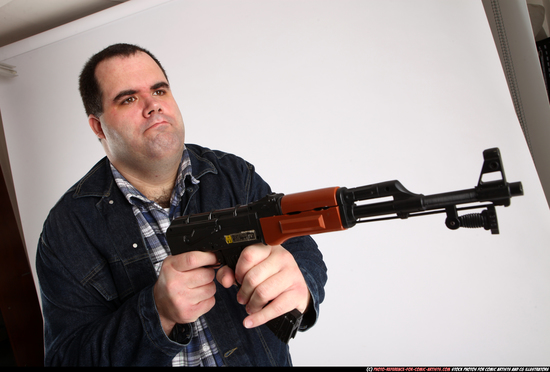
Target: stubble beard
163	145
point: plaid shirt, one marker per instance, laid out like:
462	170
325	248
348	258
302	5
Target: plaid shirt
153	221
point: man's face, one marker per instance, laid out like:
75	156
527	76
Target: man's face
141	122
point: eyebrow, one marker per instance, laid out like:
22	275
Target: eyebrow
129	92
161	84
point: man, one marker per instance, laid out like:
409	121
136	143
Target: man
111	292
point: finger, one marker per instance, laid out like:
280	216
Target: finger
226	277
175	301
198	277
176	284
258	285
192	260
196	305
197	298
297	293
281	305
252	269
265	281
259	295
279	274
250	257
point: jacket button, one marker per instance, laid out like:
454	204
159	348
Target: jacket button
135	245
111	202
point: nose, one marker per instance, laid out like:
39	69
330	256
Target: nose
151	107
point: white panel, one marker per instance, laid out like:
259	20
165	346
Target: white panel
515	42
333	93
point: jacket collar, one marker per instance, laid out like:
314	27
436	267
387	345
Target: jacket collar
99	181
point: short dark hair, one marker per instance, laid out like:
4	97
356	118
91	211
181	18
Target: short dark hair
90	90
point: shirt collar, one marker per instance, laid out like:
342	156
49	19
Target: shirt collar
135	197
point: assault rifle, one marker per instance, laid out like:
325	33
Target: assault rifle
277	217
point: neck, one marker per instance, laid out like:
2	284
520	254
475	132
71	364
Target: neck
155	184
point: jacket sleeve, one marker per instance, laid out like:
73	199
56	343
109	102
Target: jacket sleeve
86	323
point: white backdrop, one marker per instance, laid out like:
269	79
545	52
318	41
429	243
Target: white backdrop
322	93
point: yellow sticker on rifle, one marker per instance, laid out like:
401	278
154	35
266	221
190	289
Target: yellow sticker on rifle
243	236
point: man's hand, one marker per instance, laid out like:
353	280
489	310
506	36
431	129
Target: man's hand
185	288
270	276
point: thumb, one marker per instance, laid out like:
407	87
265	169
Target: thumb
226	276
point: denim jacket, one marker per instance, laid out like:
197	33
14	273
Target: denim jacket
96	277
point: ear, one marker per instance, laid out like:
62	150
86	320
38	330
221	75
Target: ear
95	124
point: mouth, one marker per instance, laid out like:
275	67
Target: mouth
157	124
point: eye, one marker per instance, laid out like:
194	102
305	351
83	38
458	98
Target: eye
159	92
128	100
